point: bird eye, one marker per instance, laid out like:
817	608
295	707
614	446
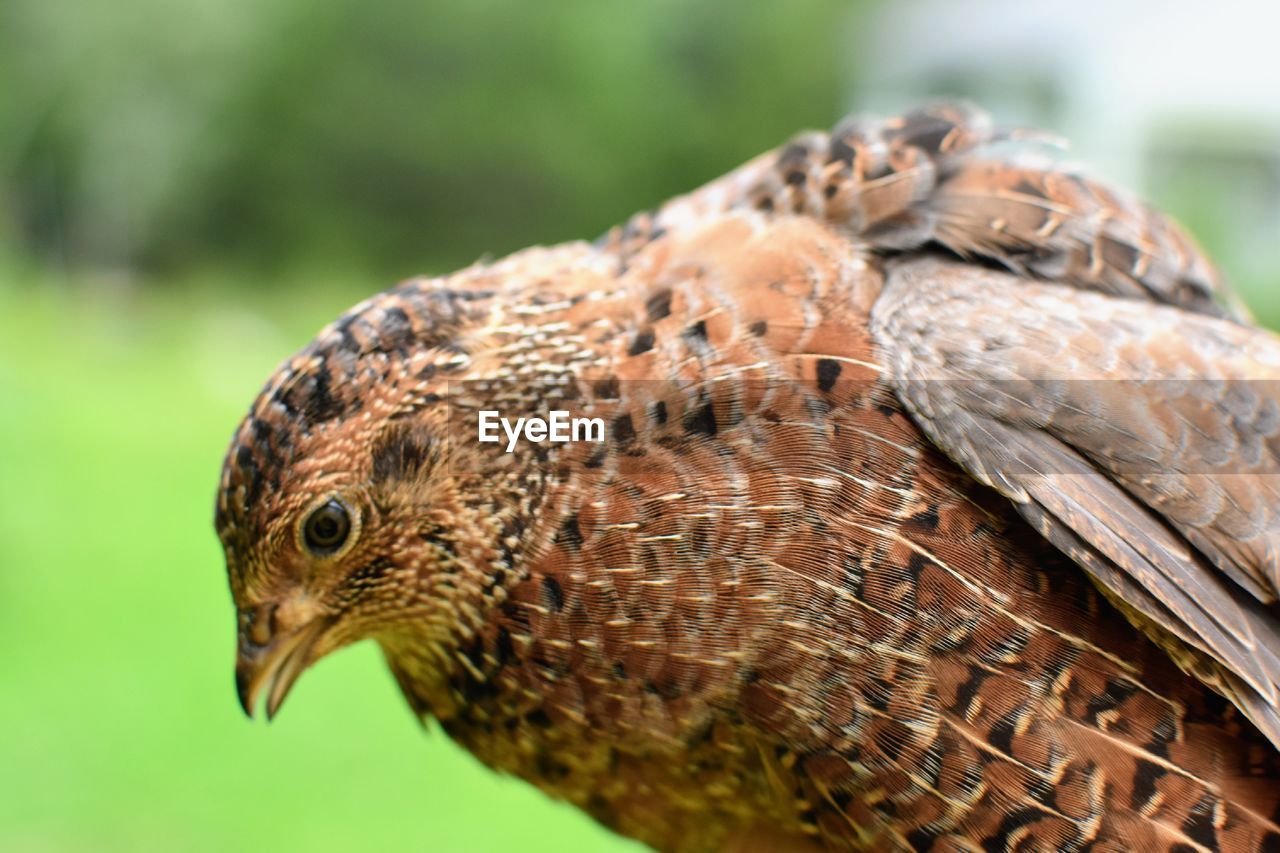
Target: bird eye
327	528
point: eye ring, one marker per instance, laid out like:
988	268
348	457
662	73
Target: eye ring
327	528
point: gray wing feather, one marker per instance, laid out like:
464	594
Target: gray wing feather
1142	440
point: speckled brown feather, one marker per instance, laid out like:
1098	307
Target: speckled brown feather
768	608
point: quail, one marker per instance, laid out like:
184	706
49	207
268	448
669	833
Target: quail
925	498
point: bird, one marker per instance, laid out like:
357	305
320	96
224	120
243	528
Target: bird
925	499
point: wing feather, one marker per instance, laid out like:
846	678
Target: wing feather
1143	440
938	174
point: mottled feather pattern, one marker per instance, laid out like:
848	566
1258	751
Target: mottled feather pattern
1120	421
812	590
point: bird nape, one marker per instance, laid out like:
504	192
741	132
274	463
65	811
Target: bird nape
934	507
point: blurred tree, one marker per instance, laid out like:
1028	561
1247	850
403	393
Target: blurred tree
164	135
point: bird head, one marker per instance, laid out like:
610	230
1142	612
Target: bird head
343	515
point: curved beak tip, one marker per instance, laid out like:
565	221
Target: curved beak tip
274	667
242	692
273	710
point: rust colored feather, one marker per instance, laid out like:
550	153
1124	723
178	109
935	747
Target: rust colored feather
883	546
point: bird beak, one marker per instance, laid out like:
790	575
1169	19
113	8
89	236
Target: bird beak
274	662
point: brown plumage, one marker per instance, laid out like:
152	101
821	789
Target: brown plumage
937	509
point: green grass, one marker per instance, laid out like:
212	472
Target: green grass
120	725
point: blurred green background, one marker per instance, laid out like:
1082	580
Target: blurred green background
189	189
